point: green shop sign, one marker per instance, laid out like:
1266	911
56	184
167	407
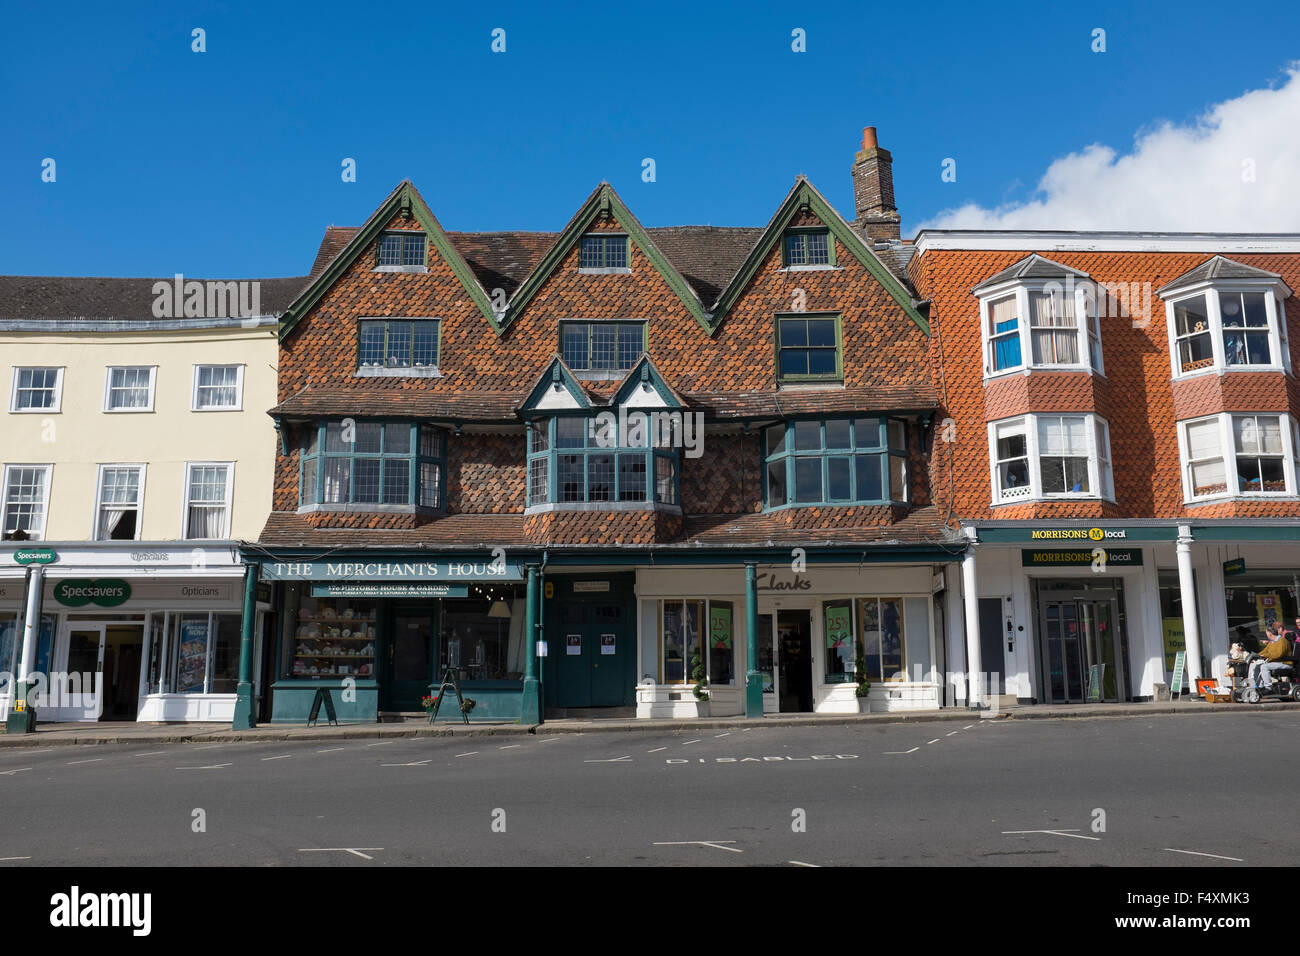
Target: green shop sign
393	569
36	556
379	590
1081	557
1235	566
106	592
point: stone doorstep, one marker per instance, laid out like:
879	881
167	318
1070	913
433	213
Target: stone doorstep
51	735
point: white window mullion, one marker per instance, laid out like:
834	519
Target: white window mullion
1216	327
1026	336
1031	446
1228	442
1287	424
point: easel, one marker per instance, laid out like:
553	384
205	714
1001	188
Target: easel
323	695
1176	680
448	680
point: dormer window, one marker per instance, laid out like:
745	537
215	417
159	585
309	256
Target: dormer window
604	252
1226	316
403	248
807	247
1039	314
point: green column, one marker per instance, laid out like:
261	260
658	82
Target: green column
753	680
245	718
530	710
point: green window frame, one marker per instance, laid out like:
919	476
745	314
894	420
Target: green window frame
808	246
581	459
809	347
385	464
835	461
399	343
401	247
604	250
602	346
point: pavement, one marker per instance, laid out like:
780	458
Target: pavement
132	732
1133	791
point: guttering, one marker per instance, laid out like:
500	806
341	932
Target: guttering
1050	240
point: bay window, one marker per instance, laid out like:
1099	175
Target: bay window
1047	324
835	461
1050	456
1239	455
1227	328
577	460
356	465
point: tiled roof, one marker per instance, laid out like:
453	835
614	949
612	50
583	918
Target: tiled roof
76	297
706	256
804	526
919	397
1031	267
1216	267
477	406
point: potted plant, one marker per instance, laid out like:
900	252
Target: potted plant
701	682
467	705
429	703
863	690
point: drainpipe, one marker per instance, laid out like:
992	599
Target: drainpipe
1187	591
971	597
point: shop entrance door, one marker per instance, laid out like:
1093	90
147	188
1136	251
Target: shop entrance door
767	663
591	654
409	661
85	667
1079	633
794	647
123	648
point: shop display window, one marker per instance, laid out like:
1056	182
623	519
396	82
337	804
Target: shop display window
697	632
482	637
880	628
329	638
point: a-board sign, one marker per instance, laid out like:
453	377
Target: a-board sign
1176	682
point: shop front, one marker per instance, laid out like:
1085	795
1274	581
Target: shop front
819	630
381	633
147	634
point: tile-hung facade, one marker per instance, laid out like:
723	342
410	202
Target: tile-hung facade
136	455
595	468
1123	417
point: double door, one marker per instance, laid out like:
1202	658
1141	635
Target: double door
1082	650
590	655
785	661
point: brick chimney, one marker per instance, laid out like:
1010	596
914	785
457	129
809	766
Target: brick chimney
873	189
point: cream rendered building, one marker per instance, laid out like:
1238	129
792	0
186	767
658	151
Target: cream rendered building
135	453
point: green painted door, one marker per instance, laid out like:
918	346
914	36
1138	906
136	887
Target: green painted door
409	669
592	640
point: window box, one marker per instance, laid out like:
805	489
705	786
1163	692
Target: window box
1047	457
37	390
1239	456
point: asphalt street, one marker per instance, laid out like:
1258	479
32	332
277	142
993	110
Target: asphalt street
1156	791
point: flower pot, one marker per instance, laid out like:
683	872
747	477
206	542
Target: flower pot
864	705
702	708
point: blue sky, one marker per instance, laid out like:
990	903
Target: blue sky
227	163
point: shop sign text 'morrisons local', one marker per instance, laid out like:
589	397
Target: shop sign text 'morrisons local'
492	569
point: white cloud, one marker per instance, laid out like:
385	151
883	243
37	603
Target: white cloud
1190	178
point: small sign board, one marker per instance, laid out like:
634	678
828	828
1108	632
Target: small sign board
323	695
36	556
608	644
590	587
411	590
573	645
1095	674
1235	566
1176	682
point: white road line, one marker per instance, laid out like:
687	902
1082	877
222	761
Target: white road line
1213	856
1063	832
91	760
968	727
815	866
330	750
610	760
912	751
6	773
727	734
6	859
210	747
151	753
413	763
382	743
656	750
469	754
23	751
510	747
695	741
281	757
935	741
716	844
549	740
953	733
215	766
354	850
746	730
